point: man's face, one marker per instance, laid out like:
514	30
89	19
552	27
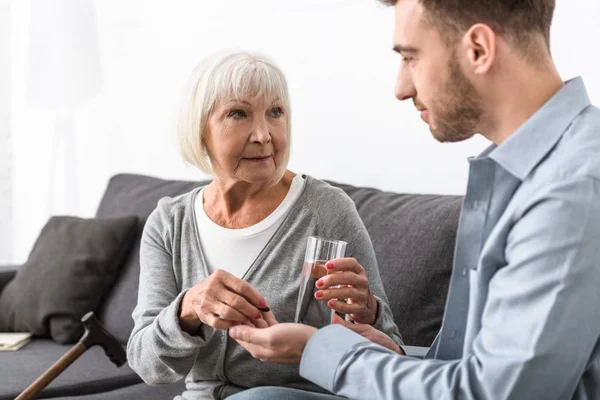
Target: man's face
431	75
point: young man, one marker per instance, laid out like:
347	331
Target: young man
522	318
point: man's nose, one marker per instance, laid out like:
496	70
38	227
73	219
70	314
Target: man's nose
405	88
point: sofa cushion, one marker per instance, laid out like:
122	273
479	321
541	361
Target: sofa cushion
93	372
129	194
73	264
135	392
413	236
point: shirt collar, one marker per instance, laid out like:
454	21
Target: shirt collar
524	149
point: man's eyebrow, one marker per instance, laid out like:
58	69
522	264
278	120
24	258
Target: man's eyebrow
405	49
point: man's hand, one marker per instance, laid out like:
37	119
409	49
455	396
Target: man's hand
368	332
283	343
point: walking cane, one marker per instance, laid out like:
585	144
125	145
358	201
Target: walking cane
94	334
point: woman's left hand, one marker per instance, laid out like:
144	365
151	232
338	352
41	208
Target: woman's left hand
361	305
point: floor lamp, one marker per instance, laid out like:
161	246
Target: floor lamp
64	73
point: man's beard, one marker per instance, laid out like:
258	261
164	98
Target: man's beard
455	112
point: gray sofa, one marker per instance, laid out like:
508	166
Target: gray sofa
413	236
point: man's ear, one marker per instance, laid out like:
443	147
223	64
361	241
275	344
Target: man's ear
480	44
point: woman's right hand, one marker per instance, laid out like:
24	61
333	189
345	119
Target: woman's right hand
220	301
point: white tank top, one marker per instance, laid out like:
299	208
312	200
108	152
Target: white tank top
234	250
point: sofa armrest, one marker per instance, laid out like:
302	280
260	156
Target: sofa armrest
7	273
415	351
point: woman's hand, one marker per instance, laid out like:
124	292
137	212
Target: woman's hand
268	319
346	279
220	301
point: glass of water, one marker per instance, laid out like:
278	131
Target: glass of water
318	252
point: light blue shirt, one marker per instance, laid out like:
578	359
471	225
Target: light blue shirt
522	318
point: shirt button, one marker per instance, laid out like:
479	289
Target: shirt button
464	272
453	334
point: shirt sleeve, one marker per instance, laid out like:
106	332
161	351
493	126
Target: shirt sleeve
158	349
539	327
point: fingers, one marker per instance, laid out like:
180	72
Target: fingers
279	343
343	278
218	323
361	329
238	303
269	318
254	350
353	327
340	321
261	353
345	308
282	343
347	280
361	313
258	323
228	313
254	340
357	295
244	289
222	300
344	264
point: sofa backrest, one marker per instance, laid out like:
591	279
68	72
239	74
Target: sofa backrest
129	194
413	236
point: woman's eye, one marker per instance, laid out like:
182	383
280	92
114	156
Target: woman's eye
236	114
276	112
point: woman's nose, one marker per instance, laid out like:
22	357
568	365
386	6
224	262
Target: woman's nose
260	132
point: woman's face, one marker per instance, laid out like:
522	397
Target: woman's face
247	139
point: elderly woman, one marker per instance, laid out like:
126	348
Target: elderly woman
231	252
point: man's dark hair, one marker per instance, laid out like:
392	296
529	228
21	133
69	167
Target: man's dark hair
515	19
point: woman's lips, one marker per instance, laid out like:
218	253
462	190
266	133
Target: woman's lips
258	159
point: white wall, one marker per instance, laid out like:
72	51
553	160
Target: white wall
5	138
347	126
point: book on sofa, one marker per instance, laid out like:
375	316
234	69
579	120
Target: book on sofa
14	340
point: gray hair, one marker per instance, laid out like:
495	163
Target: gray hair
221	76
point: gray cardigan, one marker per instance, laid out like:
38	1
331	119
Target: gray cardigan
171	262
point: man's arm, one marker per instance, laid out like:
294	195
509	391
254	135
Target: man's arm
539	325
